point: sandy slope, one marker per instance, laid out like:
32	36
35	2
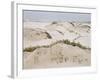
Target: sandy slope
59	55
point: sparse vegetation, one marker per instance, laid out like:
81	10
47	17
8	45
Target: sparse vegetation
75	44
54	22
31	49
60	32
72	24
86	26
66	41
48	35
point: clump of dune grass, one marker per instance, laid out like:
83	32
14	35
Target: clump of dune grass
75	44
67	42
72	23
54	22
48	35
79	45
29	49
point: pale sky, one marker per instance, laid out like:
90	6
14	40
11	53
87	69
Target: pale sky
47	16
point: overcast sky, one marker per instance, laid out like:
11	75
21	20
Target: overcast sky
47	16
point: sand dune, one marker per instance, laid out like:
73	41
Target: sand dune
75	53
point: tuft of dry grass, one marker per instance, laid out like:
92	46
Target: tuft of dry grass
48	35
29	49
54	22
